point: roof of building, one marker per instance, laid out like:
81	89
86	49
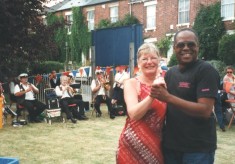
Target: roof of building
94	2
68	4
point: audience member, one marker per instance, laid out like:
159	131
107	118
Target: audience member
219	112
25	93
189	134
140	140
100	94
229	83
54	81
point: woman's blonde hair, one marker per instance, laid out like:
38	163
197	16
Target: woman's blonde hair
147	48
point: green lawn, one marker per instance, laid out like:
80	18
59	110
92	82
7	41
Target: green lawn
87	142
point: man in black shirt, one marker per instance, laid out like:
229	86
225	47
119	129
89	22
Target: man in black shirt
189	135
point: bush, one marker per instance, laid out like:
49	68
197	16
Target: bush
173	61
219	66
227	49
126	21
47	67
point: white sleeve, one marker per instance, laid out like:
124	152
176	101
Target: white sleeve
58	91
17	89
34	87
93	85
12	87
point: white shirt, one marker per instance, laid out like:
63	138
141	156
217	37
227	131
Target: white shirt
101	91
28	95
120	77
12	87
62	92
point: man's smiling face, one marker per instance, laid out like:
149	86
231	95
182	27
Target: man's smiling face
186	48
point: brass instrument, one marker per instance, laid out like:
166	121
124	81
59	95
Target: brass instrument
105	83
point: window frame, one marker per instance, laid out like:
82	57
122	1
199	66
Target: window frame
113	17
226	5
69	20
149	6
185	12
91	22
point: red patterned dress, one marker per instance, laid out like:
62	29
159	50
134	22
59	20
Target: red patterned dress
140	141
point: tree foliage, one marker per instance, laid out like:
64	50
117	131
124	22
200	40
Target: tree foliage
164	45
126	21
24	39
227	49
210	29
47	67
219	66
58	34
80	39
173	61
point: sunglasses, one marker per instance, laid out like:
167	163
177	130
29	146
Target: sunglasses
189	44
229	72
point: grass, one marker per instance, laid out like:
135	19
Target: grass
88	142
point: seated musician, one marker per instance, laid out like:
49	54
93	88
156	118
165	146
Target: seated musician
25	93
81	111
100	94
65	92
120	77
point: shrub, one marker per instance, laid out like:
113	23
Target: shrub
173	61
219	66
227	49
47	67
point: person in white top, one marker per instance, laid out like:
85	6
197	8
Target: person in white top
120	77
81	112
229	83
65	92
25	93
100	96
12	83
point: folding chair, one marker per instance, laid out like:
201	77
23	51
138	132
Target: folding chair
231	102
53	108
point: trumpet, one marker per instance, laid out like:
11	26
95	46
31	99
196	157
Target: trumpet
105	83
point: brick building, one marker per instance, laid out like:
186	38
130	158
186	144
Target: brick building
159	17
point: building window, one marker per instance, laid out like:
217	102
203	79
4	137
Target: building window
69	21
114	14
90	20
184	6
151	16
227	9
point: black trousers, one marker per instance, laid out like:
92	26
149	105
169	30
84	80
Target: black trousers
103	99
72	113
34	107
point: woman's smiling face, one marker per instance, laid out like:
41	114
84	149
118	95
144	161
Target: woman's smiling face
148	63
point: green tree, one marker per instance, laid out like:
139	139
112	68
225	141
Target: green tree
227	49
164	45
173	61
219	66
80	39
59	34
210	29
24	39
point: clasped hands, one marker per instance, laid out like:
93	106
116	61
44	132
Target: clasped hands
29	89
159	91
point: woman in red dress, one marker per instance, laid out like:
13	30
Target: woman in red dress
140	140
